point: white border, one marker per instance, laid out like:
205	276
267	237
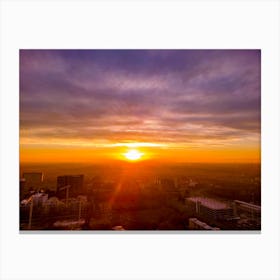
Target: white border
143	24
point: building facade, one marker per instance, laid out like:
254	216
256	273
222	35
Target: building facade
209	208
195	224
74	182
30	180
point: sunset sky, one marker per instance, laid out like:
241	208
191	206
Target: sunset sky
171	105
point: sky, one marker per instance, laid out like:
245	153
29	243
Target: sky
172	105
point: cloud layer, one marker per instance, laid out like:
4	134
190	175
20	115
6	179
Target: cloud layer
180	97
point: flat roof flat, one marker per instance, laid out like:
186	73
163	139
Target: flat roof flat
209	202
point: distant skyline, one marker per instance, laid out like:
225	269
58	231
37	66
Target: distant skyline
171	105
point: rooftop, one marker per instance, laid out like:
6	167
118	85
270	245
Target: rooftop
209	202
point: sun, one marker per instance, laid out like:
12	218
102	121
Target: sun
133	155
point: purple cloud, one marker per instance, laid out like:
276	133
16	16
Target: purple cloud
173	95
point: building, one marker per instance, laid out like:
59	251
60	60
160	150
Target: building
74	182
39	199
209	208
31	180
195	224
22	188
52	205
240	206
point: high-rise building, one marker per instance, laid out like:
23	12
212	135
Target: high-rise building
33	180
74	183
209	208
242	206
22	189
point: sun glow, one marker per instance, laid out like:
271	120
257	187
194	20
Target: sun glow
133	155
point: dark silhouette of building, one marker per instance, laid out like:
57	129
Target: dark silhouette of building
22	188
75	183
30	180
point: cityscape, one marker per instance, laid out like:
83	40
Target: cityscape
181	199
146	140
